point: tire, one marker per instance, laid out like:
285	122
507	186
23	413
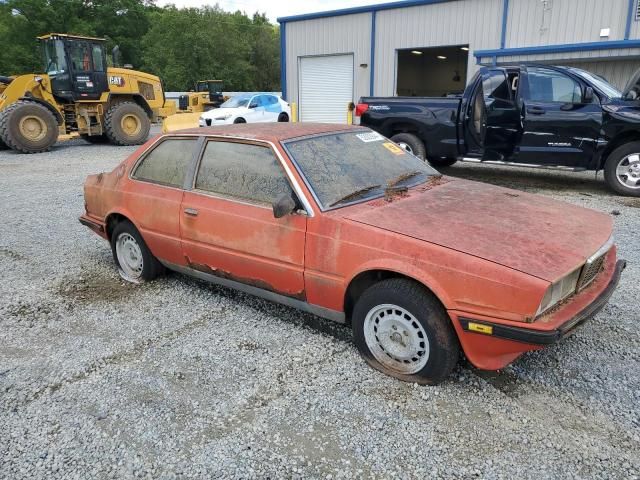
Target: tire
621	166
411	144
239	120
135	261
3	146
127	123
441	162
410	312
283	117
96	139
28	127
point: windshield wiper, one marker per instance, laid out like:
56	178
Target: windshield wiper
355	194
402	178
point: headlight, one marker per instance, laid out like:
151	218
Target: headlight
558	291
224	117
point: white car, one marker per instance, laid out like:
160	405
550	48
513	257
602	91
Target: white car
248	108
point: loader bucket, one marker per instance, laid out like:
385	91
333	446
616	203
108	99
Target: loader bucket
180	121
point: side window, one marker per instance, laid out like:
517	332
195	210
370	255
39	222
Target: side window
550	86
496	86
271	100
167	164
243	171
98	65
255	102
80	58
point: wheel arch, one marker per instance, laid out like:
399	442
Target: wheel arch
115	98
114	218
618	141
47	105
370	275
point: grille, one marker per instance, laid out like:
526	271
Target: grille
590	272
146	89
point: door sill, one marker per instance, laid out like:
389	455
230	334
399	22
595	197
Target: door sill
327	313
525	165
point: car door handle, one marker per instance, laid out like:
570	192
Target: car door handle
192	212
536	110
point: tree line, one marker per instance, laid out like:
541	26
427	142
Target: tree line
181	46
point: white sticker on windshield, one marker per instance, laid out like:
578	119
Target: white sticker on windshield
370	137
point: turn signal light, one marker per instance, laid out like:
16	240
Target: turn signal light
361	108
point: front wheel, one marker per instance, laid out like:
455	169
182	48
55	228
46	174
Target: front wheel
442	162
410	143
135	261
403	331
622	170
239	120
28	127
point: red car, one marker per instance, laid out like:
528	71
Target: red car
341	222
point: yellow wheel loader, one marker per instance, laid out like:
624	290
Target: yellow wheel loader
207	96
78	93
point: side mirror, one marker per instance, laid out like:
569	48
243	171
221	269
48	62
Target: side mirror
284	205
253	105
588	95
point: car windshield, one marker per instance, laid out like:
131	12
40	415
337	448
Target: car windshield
349	167
598	82
236	102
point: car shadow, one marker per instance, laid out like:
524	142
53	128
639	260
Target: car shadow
531	179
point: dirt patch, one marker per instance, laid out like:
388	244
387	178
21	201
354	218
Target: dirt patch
25	311
94	288
13	255
631	202
504	381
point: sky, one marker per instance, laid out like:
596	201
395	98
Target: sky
274	8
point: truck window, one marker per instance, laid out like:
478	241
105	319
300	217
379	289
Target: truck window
496	86
551	86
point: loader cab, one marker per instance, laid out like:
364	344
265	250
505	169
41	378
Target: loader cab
76	66
214	88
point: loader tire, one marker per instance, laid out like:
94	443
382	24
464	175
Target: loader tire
127	123
3	146
96	139
28	127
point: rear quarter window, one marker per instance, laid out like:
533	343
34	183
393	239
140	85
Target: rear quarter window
167	163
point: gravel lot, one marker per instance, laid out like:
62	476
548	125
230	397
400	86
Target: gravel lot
178	379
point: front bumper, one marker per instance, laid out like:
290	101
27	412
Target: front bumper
492	344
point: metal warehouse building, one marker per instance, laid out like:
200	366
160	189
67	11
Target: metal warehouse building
433	47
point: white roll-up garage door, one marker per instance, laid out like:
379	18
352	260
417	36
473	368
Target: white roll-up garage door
325	88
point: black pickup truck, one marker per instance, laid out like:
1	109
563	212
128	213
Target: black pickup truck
527	115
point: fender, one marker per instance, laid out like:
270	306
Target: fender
47	105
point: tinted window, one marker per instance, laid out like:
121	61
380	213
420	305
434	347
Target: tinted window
339	164
238	170
80	57
167	163
272	100
495	85
550	86
97	58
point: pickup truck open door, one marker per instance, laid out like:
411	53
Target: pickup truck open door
560	119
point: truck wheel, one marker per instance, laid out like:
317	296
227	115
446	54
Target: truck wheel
411	144
622	169
3	146
96	139
127	123
442	162
402	330
28	127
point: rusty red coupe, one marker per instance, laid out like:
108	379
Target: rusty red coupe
341	222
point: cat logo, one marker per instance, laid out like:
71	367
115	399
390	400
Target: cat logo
116	80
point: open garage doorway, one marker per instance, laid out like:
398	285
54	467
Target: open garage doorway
432	72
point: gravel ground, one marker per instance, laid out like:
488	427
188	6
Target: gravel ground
178	379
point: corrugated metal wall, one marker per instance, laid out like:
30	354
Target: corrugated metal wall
618	73
555	22
326	36
473	22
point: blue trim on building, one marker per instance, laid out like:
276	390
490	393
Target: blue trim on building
283	60
365	9
569	47
627	30
505	17
372	62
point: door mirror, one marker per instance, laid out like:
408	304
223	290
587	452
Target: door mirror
284	205
588	95
253	105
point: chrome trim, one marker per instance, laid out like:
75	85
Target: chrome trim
600	253
602	250
327	313
525	165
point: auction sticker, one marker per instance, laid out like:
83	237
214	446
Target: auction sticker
370	137
393	148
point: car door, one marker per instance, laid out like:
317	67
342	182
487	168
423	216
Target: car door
228	226
154	196
560	119
272	108
256	110
491	120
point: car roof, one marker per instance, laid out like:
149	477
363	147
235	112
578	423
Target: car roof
271	132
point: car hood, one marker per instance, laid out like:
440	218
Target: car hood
529	233
219	112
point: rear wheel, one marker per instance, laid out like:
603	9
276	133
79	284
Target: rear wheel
411	144
127	123
402	330
3	146
96	139
622	169
283	117
135	261
28	127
